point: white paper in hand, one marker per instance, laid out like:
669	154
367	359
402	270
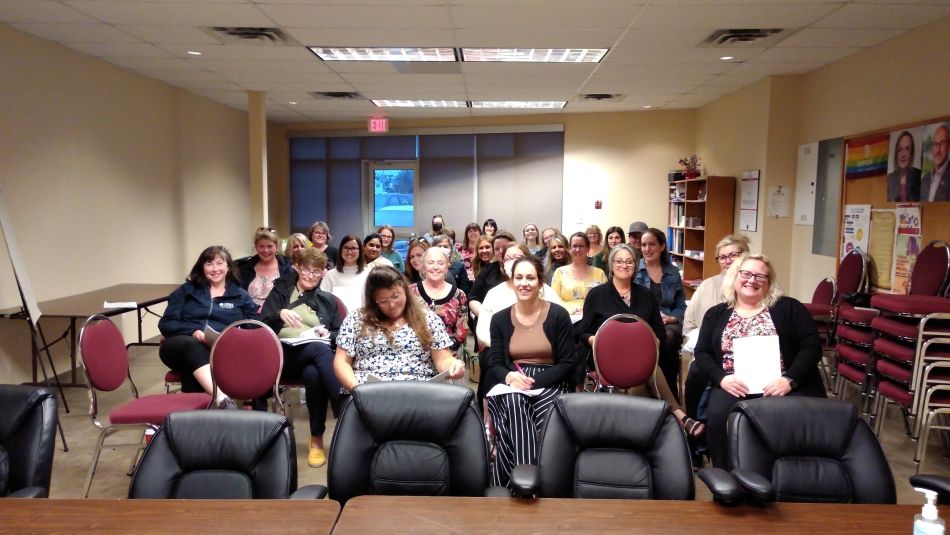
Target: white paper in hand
757	361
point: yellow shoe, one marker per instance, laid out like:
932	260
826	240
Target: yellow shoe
316	458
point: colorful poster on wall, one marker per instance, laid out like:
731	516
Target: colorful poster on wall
906	244
903	165
866	156
881	248
856	228
935	170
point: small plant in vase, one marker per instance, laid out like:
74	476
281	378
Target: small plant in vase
691	164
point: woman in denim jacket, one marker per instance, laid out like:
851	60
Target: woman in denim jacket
657	274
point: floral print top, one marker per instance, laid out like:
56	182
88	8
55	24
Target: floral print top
738	327
453	309
404	360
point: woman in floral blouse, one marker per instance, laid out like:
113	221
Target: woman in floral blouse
442	297
393	337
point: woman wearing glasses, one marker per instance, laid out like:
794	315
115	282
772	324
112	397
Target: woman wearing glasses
348	278
257	273
319	235
393	337
622	296
754	307
572	282
293	307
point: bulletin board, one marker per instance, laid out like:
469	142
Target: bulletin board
870	174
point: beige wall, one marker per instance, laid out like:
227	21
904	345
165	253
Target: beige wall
108	177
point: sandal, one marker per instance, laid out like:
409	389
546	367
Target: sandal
694	428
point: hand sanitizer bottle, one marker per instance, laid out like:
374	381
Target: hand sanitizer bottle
927	522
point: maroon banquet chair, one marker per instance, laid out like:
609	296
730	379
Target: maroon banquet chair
105	361
246	362
625	352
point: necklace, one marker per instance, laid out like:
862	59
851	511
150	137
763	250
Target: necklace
528	321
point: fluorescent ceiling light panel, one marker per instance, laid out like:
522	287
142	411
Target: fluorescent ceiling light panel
528	104
383	54
536	55
421	103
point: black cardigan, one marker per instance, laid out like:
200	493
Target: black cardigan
798	341
489	277
558	330
245	267
603	301
323	303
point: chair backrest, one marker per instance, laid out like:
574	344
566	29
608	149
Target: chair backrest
608	446
246	362
340	307
625	351
824	292
929	275
104	356
218	455
28	435
825	453
408	438
852	274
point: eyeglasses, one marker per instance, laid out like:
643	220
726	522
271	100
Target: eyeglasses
623	263
311	272
351	248
507	257
759	277
268	229
730	256
391	300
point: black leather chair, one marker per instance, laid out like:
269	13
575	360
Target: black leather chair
598	445
938	484
221	455
801	449
27	440
408	438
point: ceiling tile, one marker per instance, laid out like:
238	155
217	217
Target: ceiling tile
775	68
839	37
172	35
78	33
803	55
388	37
40	11
640	38
120	50
358	16
272	86
530	17
261	66
399	92
173	13
732	16
884	16
242	76
619	69
536	38
405	79
169	66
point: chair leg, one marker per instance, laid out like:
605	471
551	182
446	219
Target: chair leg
137	454
95	461
880	413
921	454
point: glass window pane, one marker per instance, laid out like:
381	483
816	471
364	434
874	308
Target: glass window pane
393	197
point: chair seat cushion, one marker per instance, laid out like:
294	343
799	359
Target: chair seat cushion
855	335
852	373
818	310
154	408
895	392
854	355
171	376
894	370
895	350
907	328
910	304
214	485
861	316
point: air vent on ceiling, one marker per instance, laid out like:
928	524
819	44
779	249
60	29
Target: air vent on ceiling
234	35
748	37
598	97
337	95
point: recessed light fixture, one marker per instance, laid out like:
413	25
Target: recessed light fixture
648	107
727	58
292	103
383	54
421	103
526	104
193	53
536	55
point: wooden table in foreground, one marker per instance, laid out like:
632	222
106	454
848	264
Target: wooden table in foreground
405	514
146	517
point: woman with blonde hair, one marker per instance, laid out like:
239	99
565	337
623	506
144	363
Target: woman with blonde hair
257	273
296	242
595	240
484	254
559	254
755	307
572	282
532	238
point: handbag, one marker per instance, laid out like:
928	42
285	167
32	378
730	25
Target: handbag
472	368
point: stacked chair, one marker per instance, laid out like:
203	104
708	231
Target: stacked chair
911	345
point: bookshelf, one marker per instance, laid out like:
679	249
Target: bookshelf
702	212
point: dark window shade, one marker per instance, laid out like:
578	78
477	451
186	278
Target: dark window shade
308	193
344	198
446	179
388	148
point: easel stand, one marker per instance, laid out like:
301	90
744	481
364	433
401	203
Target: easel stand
36	337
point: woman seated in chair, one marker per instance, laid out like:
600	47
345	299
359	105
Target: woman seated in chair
393	337
532	348
296	242
572	282
443	298
754	307
558	255
373	251
257	273
388	237
210	297
622	296
347	278
294	307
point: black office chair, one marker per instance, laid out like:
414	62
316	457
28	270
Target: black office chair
801	449
408	438
609	446
221	455
938	484
27	440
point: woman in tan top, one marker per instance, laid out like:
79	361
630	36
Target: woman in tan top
532	353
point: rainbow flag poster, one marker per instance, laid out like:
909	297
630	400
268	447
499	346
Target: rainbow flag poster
867	156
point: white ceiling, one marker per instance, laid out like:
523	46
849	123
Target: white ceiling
656	55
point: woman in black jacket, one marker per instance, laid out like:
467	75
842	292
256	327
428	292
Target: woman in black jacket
754	307
295	308
257	273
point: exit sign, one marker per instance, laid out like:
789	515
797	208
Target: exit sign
378	125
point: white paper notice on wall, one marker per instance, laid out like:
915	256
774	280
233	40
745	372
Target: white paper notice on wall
779	202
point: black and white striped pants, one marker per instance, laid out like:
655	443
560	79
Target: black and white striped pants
518	421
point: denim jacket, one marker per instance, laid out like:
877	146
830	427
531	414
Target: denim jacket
674	300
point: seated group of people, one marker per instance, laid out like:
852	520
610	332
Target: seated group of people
407	318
